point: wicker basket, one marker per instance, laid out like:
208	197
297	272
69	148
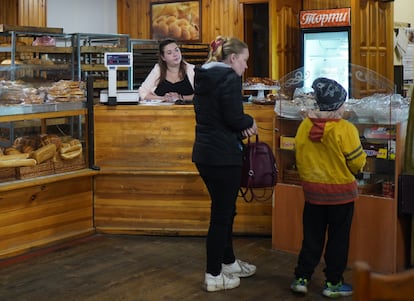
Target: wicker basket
7	174
42	169
69	165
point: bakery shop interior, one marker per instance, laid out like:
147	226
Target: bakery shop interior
71	72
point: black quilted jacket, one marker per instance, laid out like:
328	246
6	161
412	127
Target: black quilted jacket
218	105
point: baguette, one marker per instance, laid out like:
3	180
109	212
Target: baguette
44	153
14	157
18	163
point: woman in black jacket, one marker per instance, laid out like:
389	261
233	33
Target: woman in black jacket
221	125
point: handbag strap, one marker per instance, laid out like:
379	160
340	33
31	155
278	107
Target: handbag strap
252	160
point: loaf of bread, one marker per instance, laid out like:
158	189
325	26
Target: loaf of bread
44	153
16	160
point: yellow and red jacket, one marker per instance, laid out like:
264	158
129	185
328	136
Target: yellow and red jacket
328	156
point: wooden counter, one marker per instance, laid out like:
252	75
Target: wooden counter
45	210
147	182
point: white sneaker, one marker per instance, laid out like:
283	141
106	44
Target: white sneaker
239	269
220	282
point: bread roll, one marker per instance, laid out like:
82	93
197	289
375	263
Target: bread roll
44	153
67	148
71	155
11	151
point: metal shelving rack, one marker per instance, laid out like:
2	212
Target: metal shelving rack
89	51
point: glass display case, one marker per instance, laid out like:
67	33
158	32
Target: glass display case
371	105
377	222
43	139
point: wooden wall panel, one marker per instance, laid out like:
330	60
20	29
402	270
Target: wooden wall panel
134	18
32	13
218	18
40	215
324	4
8	12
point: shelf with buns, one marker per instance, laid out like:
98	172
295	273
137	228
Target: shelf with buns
40	140
262	85
36	56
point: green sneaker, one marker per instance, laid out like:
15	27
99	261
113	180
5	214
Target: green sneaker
300	285
338	290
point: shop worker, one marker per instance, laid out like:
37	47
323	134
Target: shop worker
221	124
172	78
328	156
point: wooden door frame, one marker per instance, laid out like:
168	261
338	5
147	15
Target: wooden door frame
241	27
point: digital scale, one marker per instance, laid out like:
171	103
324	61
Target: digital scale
112	97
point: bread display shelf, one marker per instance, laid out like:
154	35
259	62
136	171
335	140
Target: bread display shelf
35	67
33	29
100	49
99	67
44	49
36	49
78	108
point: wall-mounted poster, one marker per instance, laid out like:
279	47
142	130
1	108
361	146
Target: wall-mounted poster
178	20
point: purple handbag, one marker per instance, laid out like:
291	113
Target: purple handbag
259	171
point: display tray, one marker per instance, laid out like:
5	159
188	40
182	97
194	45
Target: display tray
6	110
263	101
259	87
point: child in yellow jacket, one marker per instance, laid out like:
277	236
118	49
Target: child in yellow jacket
328	156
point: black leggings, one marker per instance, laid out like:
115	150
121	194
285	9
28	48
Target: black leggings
223	183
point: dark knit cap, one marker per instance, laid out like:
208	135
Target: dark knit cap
329	94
